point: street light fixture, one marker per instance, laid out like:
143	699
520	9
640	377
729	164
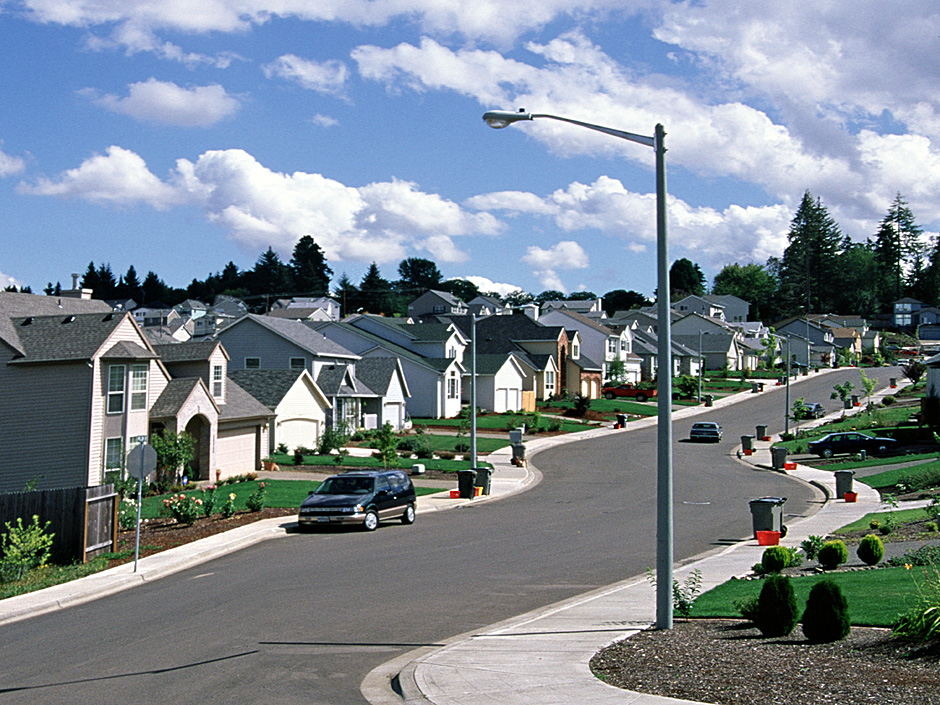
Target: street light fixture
664	511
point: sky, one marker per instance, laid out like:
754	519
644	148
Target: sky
178	136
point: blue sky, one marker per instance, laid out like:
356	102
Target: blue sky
176	137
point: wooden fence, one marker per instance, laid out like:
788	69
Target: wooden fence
528	402
82	519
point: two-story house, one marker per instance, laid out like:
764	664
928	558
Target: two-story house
600	343
436	303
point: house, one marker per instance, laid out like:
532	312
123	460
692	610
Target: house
685	358
500	380
299	406
700	305
488	306
300	308
235	441
599	342
592	308
264	343
812	345
436	303
720	351
736	310
435	382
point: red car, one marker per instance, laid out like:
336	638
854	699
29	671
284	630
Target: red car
629	391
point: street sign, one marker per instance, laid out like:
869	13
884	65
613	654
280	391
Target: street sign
142	461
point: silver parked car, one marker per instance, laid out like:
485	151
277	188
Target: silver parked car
705	431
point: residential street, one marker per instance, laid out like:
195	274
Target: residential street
304	618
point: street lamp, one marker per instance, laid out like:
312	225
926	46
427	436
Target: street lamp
664	521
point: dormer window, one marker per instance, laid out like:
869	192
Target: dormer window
575	352
217	381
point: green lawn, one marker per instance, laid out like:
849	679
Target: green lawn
876	597
898	516
917	477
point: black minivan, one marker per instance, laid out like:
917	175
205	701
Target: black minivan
360	497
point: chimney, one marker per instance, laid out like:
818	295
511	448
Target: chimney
75	292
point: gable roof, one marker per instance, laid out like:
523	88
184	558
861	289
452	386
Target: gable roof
190	351
13	304
378	372
439	364
271	386
338	381
239	404
580	318
177	391
63	338
301	335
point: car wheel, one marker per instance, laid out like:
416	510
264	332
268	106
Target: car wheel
409	516
882	449
827	453
641	397
371	522
609	395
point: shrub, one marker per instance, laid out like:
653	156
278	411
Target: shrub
874	524
888	400
832	554
922	622
282	449
228	509
298	457
777	613
23	548
424	453
747	608
871	550
127	513
775	559
208	500
554	425
826	617
931	527
304	450
810	546
255	501
925	555
185	510
446	454
462	447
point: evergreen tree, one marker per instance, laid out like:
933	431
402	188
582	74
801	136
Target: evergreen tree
858	292
270	277
375	293
347	294
416	275
153	290
308	266
107	285
809	273
685	278
89	279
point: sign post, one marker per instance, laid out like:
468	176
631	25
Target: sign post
141	461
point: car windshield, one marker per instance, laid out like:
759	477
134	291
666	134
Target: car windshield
346	485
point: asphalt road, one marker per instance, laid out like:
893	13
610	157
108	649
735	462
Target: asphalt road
302	619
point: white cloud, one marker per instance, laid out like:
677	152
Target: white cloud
6	280
10	165
327	77
324	120
167	103
119	178
488	286
566	255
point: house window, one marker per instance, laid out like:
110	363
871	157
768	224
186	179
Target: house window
138	387
575	351
550	381
252	363
113	454
452	352
298	363
452	386
612	346
116	383
217	381
438	308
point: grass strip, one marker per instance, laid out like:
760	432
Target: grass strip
876	598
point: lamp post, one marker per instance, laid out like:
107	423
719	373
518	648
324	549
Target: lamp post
664	514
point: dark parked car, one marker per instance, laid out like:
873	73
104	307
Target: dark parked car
850	442
815	411
705	431
360	497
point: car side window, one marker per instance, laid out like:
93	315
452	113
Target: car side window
381	483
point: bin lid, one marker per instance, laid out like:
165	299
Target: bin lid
769	500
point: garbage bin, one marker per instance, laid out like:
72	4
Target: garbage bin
767	514
855	400
755	388
621	420
465	480
518	453
760	386
778	457
482	480
761	432
844	482
893	382
747	442
709	400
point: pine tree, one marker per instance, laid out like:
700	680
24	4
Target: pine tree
901	253
308	266
809	273
685	279
347	294
270	277
416	275
375	293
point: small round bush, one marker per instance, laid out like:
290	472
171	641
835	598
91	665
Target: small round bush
888	400
826	618
775	559
777	613
832	554
871	550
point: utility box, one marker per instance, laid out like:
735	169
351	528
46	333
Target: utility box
767	514
844	482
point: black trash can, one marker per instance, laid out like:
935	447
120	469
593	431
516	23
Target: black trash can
844	482
709	400
518	454
778	456
621	420
482	480
767	514
465	480
747	442
761	432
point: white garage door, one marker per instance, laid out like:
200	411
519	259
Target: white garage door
235	451
298	432
502	401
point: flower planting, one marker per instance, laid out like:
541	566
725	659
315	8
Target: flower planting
182	508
